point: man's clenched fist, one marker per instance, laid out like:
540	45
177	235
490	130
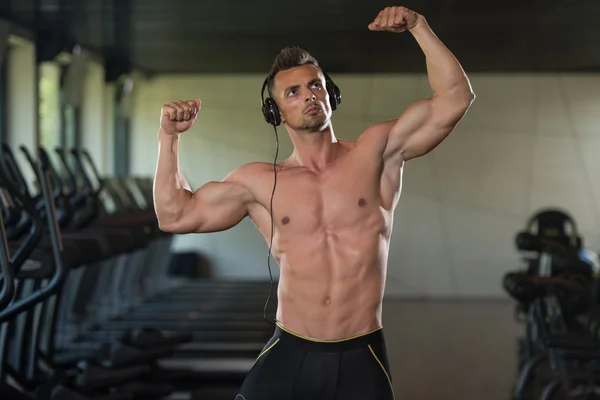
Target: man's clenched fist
178	117
395	19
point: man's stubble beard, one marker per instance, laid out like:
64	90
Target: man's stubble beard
311	124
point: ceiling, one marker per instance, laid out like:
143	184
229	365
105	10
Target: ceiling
233	36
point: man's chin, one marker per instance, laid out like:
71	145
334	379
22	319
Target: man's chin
316	124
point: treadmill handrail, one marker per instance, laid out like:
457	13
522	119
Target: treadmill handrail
81	171
13	169
60	272
36	228
56	178
10	267
8	278
71	182
90	161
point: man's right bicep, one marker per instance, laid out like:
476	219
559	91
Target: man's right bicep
214	207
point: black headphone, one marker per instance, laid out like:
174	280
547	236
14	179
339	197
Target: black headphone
271	111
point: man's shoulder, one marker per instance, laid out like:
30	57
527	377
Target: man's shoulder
377	131
254	167
376	135
248	171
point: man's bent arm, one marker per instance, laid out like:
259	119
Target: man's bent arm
215	206
426	123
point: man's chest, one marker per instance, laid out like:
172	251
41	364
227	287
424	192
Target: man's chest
348	194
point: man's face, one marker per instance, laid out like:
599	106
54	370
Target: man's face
302	98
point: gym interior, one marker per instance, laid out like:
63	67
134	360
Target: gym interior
491	281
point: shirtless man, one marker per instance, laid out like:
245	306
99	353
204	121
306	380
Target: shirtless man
332	212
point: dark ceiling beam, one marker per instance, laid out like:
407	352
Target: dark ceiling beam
118	46
52	36
4	8
178	36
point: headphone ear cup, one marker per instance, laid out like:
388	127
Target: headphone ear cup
271	112
335	96
266	113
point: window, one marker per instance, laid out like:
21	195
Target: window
70	106
50	105
122	126
71	126
3	96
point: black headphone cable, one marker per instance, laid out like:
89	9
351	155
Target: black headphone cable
272	222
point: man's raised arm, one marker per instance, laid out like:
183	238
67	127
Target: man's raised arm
427	122
215	206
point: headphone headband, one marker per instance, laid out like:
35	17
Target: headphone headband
552	216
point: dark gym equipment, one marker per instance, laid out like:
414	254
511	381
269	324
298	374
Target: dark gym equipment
556	296
87	309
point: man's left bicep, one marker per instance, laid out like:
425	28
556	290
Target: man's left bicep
431	133
400	132
424	125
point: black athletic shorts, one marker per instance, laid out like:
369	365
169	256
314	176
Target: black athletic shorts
292	367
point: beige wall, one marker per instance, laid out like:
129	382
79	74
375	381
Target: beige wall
528	142
95	118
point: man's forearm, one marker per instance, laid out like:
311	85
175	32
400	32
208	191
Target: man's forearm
171	190
446	75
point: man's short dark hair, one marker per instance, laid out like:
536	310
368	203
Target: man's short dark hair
289	57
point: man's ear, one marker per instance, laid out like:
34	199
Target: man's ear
281	117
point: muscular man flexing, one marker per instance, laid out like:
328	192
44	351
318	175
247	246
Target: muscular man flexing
332	211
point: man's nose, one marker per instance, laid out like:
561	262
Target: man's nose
310	96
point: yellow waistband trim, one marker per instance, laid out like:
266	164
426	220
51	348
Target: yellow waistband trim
327	341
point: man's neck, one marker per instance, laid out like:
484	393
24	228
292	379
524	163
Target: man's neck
314	150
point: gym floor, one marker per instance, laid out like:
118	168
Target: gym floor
452	349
